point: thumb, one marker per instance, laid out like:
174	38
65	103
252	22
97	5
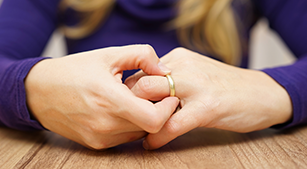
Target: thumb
137	57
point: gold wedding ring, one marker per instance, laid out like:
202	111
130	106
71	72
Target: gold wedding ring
171	85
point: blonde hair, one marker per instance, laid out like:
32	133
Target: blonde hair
92	13
208	26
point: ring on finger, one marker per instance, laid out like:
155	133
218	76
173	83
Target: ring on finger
171	85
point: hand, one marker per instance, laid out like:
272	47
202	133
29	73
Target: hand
212	94
82	97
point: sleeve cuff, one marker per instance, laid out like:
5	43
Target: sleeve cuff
15	113
294	79
22	109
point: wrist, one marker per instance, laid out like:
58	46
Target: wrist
280	101
33	87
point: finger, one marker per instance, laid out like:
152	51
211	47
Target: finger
120	125
131	80
137	57
125	138
150	117
151	88
181	122
114	140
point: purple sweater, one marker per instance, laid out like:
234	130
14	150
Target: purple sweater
26	26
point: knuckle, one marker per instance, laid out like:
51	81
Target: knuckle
155	124
146	48
94	135
181	54
94	141
96	128
97	145
145	51
179	50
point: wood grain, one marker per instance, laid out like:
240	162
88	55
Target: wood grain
200	148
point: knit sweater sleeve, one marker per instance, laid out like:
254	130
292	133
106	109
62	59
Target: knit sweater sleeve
25	27
288	19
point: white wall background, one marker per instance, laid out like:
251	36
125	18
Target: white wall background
267	50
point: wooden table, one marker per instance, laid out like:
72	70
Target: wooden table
200	148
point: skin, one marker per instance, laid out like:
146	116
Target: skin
82	97
213	95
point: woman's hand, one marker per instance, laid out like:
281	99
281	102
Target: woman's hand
212	94
82	97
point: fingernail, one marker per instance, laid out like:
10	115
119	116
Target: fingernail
145	145
163	68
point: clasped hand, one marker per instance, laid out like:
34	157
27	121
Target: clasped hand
213	95
82	97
